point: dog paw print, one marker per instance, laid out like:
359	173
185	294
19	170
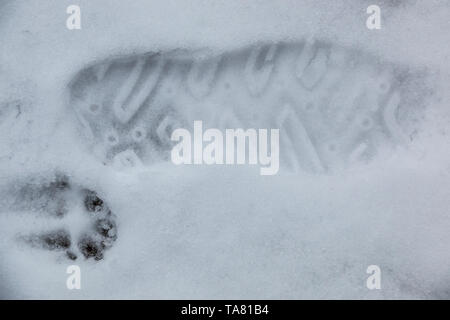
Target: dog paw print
68	203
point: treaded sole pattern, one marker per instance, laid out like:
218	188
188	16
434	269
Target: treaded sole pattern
333	105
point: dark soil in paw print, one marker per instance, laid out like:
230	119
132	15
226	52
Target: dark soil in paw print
92	202
56	240
106	228
91	248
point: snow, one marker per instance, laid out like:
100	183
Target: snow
196	232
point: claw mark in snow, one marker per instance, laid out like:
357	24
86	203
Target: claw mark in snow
390	118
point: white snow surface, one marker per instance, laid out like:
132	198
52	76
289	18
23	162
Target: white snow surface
229	233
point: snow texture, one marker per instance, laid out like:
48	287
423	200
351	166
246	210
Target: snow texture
167	231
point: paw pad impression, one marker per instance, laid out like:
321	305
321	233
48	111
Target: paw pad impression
57	200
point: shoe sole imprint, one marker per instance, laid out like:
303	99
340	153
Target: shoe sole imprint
333	105
55	200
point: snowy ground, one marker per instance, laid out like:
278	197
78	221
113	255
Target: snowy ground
199	232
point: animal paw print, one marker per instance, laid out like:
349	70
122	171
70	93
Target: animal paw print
60	199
